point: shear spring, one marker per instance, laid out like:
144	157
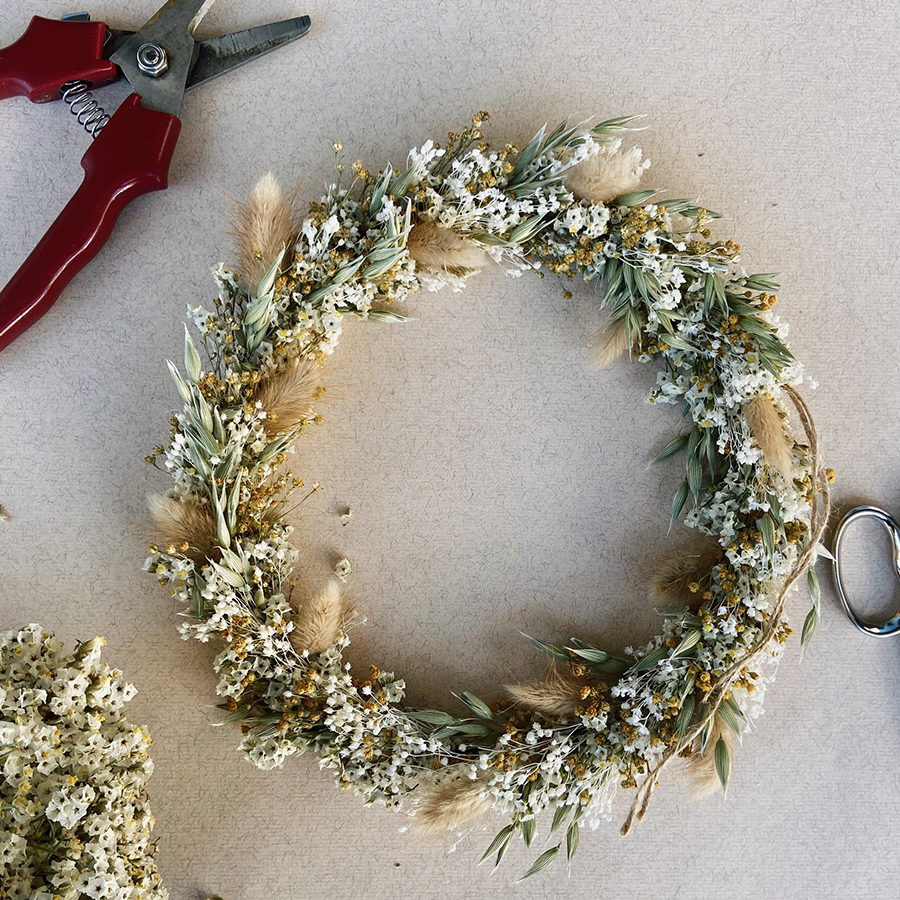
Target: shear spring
89	113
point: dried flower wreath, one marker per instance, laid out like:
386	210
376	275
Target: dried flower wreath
567	203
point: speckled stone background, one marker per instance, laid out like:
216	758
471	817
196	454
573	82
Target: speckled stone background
497	483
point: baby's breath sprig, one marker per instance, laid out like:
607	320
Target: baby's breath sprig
568	202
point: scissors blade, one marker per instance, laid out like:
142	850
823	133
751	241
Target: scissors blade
222	54
170	29
177	15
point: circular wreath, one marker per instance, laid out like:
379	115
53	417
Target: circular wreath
567	203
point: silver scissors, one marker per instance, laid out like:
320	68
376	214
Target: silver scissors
876	629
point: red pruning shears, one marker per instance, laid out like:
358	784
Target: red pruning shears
132	150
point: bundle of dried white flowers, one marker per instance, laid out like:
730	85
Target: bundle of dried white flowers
74	819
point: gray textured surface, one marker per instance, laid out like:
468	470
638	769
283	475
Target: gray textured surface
497	482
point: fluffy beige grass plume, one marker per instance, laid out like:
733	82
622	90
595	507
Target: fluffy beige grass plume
289	396
440	250
611	343
555	696
684	566
770	433
263	226
184	522
607	174
318	622
452	805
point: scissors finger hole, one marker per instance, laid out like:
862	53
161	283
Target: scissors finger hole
867	570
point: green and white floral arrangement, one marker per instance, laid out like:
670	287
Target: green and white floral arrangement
568	203
74	819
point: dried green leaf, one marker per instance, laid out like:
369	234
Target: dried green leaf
634	198
267	284
432	716
544	647
687	687
678	502
206	414
526	230
705	732
541	862
478	706
612	127
560	816
822	550
180	384
809	628
688	642
685	715
672	447
526	157
499	842
528	831
234	499
380	189
723	761
679	205
766	525
385	315
401	184
591	654
762	282
615	279
730	714
650	660
471	729
192	363
572	835
815	593
694	476
233	560
223	533
232	578
198	604
676	342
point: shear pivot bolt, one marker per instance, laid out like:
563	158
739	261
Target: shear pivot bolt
152	60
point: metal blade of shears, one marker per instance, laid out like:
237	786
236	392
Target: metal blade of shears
218	55
169	35
222	54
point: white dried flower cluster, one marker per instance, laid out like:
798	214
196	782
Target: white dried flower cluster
74	819
682	300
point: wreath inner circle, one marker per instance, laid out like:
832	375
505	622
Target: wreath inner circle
754	490
437	525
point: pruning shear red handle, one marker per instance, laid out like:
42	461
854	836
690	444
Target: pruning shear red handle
133	148
52	53
130	157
